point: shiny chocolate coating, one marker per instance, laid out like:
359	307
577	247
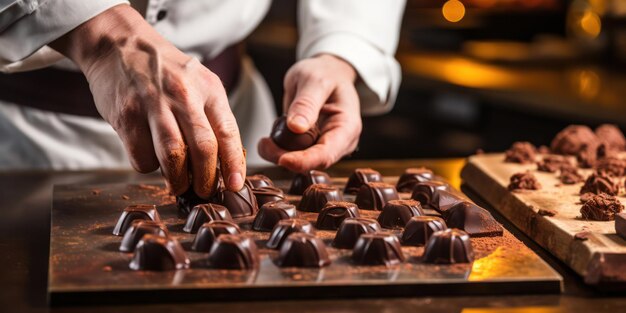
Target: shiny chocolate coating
426	192
359	177
377	249
158	253
333	214
396	213
303	250
240	203
374	196
448	247
135	212
316	196
271	213
233	252
302	181
445	199
137	230
259	181
412	176
264	195
474	220
286	227
187	201
290	141
203	213
351	229
208	232
419	229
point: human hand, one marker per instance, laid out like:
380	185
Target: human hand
318	90
169	110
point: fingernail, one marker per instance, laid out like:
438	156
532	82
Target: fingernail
235	181
299	121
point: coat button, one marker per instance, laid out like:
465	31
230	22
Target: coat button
161	15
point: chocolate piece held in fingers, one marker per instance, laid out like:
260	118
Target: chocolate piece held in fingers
290	141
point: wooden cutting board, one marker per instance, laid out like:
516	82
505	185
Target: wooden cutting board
600	259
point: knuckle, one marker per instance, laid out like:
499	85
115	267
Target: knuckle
304	104
227	130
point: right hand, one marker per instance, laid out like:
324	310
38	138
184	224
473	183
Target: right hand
169	110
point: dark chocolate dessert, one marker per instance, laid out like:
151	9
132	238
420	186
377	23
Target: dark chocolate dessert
573	139
286	227
351	229
303	250
521	152
587	155
600	183
377	249
290	141
187	201
302	181
135	212
611	165
315	197
240	203
259	181
445	199
411	177
474	220
333	214
396	213
420	228
137	230
233	252
158	253
208	232
264	195
612	136
569	175
203	213
426	193
524	180
448	246
359	177
271	213
552	163
374	196
601	207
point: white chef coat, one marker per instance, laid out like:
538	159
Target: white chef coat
362	32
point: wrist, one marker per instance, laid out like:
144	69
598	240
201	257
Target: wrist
344	69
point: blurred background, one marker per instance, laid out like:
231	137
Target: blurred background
480	74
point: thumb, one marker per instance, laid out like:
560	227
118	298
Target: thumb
305	108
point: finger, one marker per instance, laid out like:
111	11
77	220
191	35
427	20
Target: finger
137	140
232	157
289	86
311	94
269	150
203	149
170	150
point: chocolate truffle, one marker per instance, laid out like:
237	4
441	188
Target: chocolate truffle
600	182
259	181
303	250
302	181
611	165
264	195
572	139
524	180
203	213
377	249
333	214
240	203
374	196
271	213
612	136
208	232
552	163
135	212
620	225
587	155
316	196
601	207
359	177
426	193
187	201
420	228
474	220
521	152
411	177
158	253
286	227
396	213
351	229
137	230
233	252
569	175
290	141
448	247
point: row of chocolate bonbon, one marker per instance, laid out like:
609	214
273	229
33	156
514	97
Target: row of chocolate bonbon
203	213
271	213
334	213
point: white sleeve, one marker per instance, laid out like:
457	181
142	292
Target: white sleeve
27	26
364	33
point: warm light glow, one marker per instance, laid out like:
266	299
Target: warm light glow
590	24
453	11
471	74
587	83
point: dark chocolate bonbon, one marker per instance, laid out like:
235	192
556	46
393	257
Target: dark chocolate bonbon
377	249
135	212
286	227
351	229
333	214
208	232
419	229
316	196
374	196
448	246
396	213
203	213
233	252
359	177
290	141
271	213
303	250
158	253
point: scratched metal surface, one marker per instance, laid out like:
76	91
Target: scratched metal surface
86	267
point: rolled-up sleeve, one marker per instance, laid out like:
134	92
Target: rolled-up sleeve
27	26
365	34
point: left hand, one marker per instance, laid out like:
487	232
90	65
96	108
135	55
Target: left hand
321	88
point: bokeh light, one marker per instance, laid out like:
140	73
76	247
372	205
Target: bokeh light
453	11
